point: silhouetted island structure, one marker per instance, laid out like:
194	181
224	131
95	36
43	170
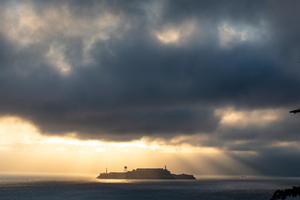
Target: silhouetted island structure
145	173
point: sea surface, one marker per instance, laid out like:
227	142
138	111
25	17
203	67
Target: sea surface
15	187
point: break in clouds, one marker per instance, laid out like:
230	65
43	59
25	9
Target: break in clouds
213	73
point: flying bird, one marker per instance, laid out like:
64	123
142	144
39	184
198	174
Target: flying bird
295	111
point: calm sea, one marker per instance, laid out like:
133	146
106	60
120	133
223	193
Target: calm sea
76	188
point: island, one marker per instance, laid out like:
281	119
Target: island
144	173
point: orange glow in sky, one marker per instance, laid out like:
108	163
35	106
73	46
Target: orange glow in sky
25	150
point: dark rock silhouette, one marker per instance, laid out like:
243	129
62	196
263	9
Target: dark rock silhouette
283	194
295	111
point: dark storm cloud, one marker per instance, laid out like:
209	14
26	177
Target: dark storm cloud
138	86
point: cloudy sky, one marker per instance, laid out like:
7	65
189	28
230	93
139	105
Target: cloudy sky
179	77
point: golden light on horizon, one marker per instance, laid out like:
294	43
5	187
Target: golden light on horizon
25	149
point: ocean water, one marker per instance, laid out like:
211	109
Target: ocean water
87	188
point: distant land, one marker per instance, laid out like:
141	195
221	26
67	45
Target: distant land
145	173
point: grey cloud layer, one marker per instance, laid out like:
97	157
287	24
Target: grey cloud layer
124	83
